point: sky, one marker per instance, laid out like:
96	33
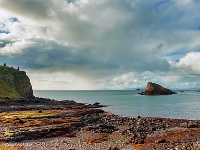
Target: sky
102	44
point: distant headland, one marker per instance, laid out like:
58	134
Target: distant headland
15	84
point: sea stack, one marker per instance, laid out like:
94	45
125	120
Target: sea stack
156	89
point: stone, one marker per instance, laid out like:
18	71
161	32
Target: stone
184	124
39	111
139	141
160	141
113	148
192	124
96	103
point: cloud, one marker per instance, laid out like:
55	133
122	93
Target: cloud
189	63
101	36
35	9
15	47
102	39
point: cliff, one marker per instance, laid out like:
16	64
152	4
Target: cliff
156	89
14	84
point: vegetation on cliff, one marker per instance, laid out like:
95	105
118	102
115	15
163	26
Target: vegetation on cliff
14	84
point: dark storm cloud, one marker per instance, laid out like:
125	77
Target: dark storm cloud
33	8
55	57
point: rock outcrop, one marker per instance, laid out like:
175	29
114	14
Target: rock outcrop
156	89
14	84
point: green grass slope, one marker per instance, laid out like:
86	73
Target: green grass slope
14	83
6	92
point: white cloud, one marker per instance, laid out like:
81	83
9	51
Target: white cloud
183	2
60	81
190	63
116	41
15	47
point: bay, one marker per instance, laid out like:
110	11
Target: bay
184	105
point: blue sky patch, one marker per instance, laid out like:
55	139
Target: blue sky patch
176	55
14	19
198	28
160	3
4	32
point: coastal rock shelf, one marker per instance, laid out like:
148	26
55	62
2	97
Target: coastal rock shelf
69	121
156	89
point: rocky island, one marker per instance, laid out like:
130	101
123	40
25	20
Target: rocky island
30	123
156	89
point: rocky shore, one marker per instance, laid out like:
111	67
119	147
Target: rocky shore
66	125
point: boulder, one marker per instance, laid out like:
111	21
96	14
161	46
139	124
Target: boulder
156	89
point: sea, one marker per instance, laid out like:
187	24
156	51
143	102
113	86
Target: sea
183	105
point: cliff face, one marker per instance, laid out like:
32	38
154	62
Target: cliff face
156	89
14	84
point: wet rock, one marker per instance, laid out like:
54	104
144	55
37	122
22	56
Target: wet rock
96	103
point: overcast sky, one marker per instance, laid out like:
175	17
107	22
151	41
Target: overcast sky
102	44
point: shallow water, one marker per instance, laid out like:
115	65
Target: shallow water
184	105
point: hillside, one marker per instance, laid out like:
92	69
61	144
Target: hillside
14	84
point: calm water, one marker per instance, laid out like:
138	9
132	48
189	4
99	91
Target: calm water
185	105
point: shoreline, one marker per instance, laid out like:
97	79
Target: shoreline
49	123
129	103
